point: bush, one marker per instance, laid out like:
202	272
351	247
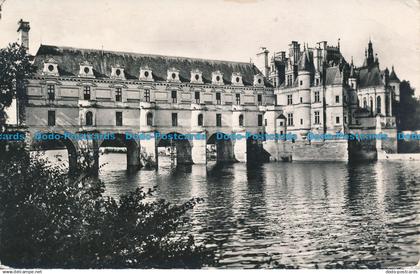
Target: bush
48	220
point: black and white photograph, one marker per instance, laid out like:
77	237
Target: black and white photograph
209	135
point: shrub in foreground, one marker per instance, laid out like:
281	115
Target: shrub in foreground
48	220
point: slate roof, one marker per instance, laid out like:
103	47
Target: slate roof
333	76
69	60
393	76
370	76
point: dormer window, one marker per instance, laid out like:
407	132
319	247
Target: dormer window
50	67
118	73
146	74
217	78
237	79
86	70
196	76
258	80
173	75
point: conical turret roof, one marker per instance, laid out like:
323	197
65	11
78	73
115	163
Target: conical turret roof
393	76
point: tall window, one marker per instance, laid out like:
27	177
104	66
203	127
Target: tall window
118	95
86	93
174	119
317	120
337	99
260	120
238	99
51	92
290	119
371	105
149	119
89	118
259	99
317	99
378	104
218	120
197	97
200	120
289	99
218	98
51	118
174	96
337	120
364	103
147	95
118	119
241	120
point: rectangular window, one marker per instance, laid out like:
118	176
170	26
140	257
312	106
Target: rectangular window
259	99
218	120
317	81
86	93
51	118
174	119
51	92
118	119
337	99
337	120
174	96
218	98
317	120
301	121
265	122
147	95
238	99
301	100
345	119
289	99
317	100
118	95
290	119
260	120
197	97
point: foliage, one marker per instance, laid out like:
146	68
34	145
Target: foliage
408	109
15	68
48	220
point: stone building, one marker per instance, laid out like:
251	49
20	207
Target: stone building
313	90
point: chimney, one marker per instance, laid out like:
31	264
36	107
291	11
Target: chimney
23	30
266	67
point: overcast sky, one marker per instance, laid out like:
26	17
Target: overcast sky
227	30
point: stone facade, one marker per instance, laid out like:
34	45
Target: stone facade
313	90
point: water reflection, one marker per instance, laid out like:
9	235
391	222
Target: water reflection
296	213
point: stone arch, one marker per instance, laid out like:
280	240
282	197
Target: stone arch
42	141
220	148
176	146
132	146
364	103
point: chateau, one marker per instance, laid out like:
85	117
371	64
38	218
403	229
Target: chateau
306	90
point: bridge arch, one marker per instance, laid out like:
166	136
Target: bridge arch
220	147
179	150
44	141
132	149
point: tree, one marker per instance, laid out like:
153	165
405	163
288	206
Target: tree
48	220
15	69
407	111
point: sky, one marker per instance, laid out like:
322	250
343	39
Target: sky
225	30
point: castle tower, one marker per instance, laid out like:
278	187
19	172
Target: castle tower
394	83
23	30
352	76
370	59
303	110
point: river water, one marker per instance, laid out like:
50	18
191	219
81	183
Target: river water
298	214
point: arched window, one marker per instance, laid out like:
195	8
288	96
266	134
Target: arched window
200	120
89	118
371	105
378	104
364	103
241	120
149	119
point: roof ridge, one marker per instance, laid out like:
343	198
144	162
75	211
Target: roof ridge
148	54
